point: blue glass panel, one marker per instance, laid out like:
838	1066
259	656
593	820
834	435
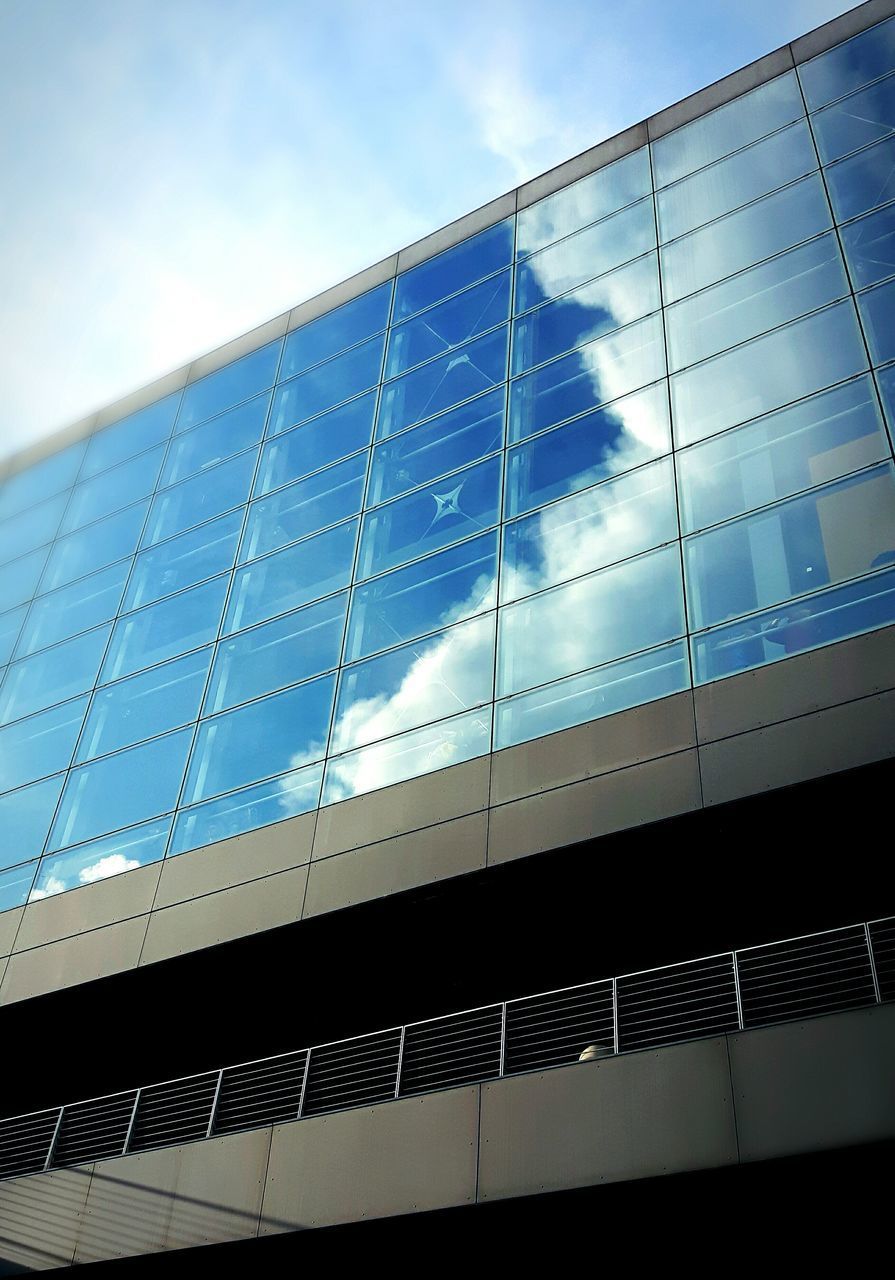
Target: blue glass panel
164	630
277	653
758	231
110	856
25	818
761	298
231	433
420	682
10	625
337	330
886	381
440	445
315	567
767	372
78	607
316	444
586	313
453	508
443	382
160	699
590	621
811	442
425	596
601	692
245	810
586	254
15	885
231	385
409	755
449	325
172	566
869	246
862	181
113	490
849	65
735	181
18	580
839	531
806	623
610	522
327	385
91	549
121	790
587	450
877	308
31	529
855	122
29	487
52	676
479	256
201	498
284	731
597	374
40	745
132	435
289	514
583	202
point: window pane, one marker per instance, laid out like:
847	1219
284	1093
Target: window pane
264	738
448	325
409	755
610	522
100	859
15	885
849	65
231	385
40	745
834	533
10	625
121	790
442	383
759	231
84	604
163	698
877	308
862	181
441	445
196	450
591	376
197	500
152	635
113	490
183	561
600	692
869	246
796	448
292	513
337	330
590	621
133	435
277	654
327	385
25	818
18	580
316	444
583	202
586	254
766	373
735	181
93	548
886	381
245	810
586	313
588	450
29	487
864	118
410	686
482	255
424	596
31	529
316	567
52	676
461	504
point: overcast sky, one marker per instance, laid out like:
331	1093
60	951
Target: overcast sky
178	171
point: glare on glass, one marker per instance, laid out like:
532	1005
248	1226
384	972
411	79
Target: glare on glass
10	625
15	885
52	676
36	483
77	607
302	508
855	122
25	818
848	66
183	561
327	385
161	631
316	444
336	331
41	745
99	859
113	539
480	256
582	203
443	382
448	325
202	447
19	579
113	490
869	245
862	181
31	529
201	498
229	386
134	434
247	809
877	309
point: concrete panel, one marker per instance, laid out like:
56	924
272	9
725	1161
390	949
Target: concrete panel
406	806
841	28
825	742
345	291
637	1116
810	1086
40	1218
391	866
71	961
582	165
92	906
838	673
630	737
230	862
136	400
374	1162
9	927
221	917
721	92
174	1198
241	346
613	802
454	232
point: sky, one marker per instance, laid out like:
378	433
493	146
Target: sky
178	171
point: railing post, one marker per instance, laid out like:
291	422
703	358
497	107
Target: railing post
304	1085
615	1015
52	1147
130	1125
214	1103
503	1036
873	973
400	1062
736	983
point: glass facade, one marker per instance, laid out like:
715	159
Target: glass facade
635	438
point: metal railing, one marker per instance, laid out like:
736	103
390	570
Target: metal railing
819	973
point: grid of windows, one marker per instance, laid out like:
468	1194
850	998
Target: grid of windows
631	439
